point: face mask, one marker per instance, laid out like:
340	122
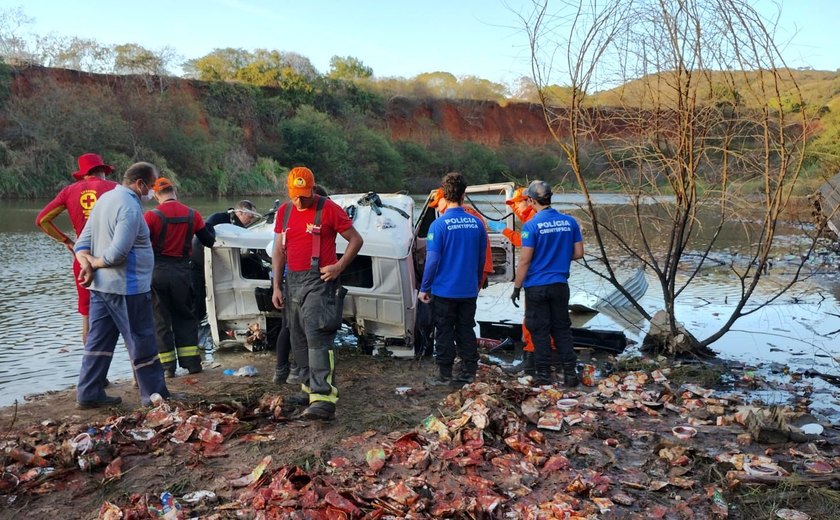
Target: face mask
147	197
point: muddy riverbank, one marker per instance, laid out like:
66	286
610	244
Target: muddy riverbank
649	441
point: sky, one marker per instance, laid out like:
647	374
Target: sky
482	38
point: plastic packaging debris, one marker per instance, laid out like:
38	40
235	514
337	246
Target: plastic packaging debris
170	509
81	443
114	469
551	420
88	461
818	466
684	432
35	473
142	434
254	475
26	458
199	496
246	371
375	458
587	375
405	390
812	429
763	469
109	511
567	404
792	514
719	506
156	399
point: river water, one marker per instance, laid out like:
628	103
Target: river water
41	346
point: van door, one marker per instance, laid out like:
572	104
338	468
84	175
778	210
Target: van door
489	201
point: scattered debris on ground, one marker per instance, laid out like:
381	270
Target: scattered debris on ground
636	445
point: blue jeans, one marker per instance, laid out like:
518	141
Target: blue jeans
110	316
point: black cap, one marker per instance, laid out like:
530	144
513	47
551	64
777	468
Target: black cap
538	190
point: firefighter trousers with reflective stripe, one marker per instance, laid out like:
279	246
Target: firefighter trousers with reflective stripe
312	338
175	324
110	316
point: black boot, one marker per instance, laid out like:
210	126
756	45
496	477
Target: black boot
444	376
570	376
526	365
543	376
556	360
280	375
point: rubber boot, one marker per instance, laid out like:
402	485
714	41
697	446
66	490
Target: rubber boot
543	376
444	376
526	365
465	377
570	376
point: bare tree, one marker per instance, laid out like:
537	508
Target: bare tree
696	133
14	47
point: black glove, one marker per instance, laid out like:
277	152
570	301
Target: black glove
515	296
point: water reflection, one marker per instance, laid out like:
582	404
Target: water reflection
42	350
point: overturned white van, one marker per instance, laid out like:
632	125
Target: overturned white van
382	281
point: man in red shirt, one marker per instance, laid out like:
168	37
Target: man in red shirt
171	228
78	199
304	248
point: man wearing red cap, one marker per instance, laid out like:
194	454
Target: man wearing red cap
304	248
78	199
172	226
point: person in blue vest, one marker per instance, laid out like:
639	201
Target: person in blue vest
455	251
172	226
550	241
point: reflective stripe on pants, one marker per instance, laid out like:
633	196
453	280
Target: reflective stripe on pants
175	323
110	316
312	342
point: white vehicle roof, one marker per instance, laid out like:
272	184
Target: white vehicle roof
388	235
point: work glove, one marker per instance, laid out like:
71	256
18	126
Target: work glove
514	297
496	226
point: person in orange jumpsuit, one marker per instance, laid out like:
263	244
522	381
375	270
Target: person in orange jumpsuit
78	199
523	211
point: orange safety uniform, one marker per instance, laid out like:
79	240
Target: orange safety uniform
515	238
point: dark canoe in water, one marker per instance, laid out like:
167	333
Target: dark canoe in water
606	340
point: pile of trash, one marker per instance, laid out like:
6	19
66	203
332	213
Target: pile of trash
634	446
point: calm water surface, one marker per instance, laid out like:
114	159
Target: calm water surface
41	347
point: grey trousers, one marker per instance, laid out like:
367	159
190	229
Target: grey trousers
310	311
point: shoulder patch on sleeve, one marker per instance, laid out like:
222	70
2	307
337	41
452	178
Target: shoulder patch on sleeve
526	234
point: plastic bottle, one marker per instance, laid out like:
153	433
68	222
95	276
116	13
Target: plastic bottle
246	371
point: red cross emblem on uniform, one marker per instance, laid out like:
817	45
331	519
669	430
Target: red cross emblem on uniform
87	200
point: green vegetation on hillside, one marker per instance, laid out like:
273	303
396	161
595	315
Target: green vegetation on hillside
246	117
